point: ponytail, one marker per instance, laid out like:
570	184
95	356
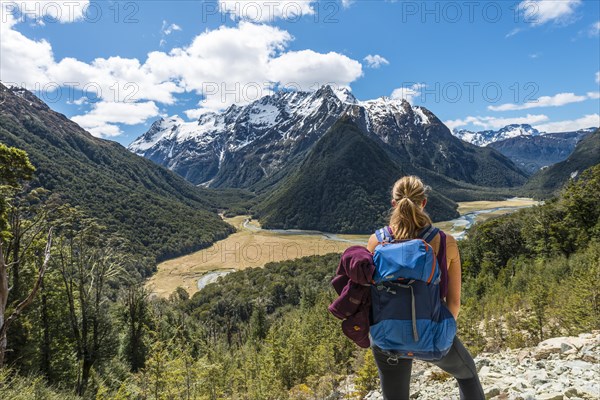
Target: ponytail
408	217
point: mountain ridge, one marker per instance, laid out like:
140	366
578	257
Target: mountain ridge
487	137
549	180
342	186
246	146
160	213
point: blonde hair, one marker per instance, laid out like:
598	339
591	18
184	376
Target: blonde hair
408	217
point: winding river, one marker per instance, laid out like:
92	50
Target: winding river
471	213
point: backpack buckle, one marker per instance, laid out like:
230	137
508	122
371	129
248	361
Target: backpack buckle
394	359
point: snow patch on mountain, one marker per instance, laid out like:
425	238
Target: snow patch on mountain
483	138
275	126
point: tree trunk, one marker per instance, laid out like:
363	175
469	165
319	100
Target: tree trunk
3	301
5	320
85	375
45	357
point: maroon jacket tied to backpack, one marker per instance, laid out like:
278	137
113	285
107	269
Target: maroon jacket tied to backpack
352	283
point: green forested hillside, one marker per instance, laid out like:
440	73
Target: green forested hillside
534	274
548	180
266	333
160	214
343	185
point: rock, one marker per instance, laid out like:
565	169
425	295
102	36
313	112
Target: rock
591	357
591	392
563	373
481	362
570	392
558	345
492	392
551	396
565	347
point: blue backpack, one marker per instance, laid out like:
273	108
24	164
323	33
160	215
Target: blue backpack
408	317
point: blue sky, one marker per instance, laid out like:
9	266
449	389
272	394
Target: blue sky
476	65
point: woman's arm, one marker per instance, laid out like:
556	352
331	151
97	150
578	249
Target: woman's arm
454	276
372	243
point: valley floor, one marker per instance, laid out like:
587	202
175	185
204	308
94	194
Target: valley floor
252	246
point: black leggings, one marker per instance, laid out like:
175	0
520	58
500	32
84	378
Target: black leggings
395	373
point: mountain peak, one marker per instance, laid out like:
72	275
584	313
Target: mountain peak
484	138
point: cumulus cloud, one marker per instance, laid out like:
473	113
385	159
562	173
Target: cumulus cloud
494	122
557	100
598	77
226	65
539	12
267	10
587	121
408	93
375	61
308	69
101	120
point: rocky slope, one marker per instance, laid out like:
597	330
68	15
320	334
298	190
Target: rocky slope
557	369
265	140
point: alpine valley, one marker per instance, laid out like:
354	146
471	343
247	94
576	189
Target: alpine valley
320	160
270	146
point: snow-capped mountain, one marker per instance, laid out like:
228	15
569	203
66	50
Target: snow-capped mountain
243	144
263	141
532	153
483	138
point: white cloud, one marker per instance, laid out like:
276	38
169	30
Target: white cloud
227	65
587	121
598	77
307	69
101	120
593	95
408	93
165	30
347	3
538	12
168	29
375	61
47	11
512	32
595	29
557	100
267	10
493	122
535	55
24	61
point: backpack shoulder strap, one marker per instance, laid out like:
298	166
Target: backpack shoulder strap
428	233
383	235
